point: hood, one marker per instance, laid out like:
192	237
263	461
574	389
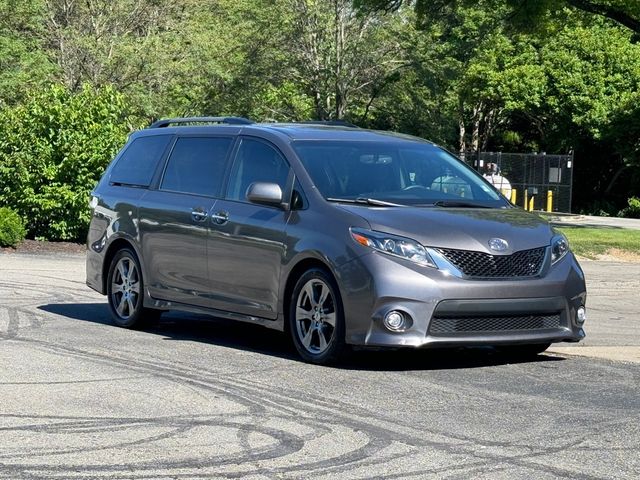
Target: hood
459	228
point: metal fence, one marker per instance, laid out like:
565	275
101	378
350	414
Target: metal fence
540	181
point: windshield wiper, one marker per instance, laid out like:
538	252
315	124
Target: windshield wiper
366	201
458	203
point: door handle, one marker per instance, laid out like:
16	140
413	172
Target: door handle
220	218
199	215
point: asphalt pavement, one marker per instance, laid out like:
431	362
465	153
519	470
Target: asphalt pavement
201	398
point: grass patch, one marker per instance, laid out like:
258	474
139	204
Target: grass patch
591	242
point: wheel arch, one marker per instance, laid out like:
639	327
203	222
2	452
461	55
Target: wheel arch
294	274
114	247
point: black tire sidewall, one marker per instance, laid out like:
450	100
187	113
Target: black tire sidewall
337	346
134	320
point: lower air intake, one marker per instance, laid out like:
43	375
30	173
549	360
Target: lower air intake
445	326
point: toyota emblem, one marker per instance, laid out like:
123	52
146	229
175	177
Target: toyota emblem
498	244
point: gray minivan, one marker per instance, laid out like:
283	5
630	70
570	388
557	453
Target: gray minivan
339	235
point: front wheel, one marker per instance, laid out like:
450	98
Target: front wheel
316	318
125	291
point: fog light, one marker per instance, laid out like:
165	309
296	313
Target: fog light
395	321
581	315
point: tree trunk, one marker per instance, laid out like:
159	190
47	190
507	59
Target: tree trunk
462	137
475	133
339	31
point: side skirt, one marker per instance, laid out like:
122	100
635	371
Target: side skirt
150	302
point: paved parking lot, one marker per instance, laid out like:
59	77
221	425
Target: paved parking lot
613	328
193	398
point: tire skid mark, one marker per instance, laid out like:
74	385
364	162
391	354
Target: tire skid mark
13	324
536	451
268	406
254	456
467	447
178	426
162	371
70	295
285	444
19	318
72	382
246	393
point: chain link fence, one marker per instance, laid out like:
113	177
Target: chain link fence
538	181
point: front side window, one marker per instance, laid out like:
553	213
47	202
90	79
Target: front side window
398	172
196	165
138	163
256	162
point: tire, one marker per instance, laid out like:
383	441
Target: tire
125	292
524	351
316	318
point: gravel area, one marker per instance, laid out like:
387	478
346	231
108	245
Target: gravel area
35	247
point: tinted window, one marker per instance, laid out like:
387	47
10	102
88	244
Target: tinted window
138	163
399	172
256	162
196	165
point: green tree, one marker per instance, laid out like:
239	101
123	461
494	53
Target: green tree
314	59
523	13
165	56
23	61
593	102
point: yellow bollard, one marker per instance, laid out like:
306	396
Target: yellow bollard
549	201
514	196
526	199
531	203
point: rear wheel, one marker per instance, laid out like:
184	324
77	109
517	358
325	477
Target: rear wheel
125	289
316	318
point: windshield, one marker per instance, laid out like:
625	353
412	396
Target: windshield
399	172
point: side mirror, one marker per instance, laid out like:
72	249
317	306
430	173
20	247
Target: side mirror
265	193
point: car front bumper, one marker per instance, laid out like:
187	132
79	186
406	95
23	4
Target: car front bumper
445	310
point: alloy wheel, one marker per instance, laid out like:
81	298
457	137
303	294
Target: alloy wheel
315	316
125	288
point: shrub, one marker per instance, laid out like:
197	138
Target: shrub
633	210
12	230
601	208
53	149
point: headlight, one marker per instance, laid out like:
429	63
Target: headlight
559	247
393	245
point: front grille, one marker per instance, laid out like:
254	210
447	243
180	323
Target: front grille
441	326
525	263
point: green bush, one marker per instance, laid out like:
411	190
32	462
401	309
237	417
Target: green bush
601	208
633	210
12	230
53	149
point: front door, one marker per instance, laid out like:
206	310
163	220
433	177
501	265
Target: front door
247	241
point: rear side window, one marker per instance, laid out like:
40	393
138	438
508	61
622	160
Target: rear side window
138	163
196	165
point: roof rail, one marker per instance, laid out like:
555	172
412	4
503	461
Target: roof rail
187	120
339	123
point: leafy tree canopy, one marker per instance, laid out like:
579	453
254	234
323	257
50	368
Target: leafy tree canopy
523	12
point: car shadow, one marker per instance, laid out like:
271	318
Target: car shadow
179	326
